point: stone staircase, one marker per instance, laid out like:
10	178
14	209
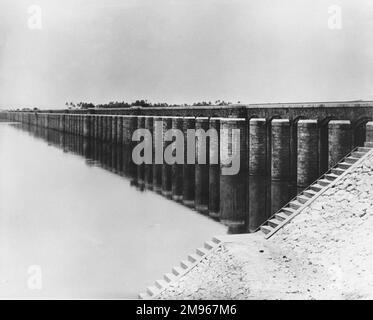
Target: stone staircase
179	271
307	196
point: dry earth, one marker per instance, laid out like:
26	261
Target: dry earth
324	253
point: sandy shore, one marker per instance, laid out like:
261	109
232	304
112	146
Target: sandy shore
324	253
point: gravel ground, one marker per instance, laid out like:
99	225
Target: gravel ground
324	253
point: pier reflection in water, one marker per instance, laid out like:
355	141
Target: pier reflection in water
91	233
265	196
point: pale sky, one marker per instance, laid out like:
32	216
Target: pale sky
182	51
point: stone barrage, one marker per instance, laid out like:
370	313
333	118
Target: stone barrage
279	151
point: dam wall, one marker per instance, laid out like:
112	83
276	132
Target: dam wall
291	145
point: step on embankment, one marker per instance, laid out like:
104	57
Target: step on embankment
316	189
179	271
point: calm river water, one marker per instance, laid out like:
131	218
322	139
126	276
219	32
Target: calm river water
87	230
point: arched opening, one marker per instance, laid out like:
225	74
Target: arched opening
359	131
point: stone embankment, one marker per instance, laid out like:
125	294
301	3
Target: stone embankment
326	252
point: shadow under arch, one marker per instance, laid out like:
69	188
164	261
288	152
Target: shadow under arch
294	147
359	131
269	141
324	122
252	117
324	143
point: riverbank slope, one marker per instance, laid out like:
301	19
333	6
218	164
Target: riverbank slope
326	252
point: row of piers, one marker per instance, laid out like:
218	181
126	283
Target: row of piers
293	153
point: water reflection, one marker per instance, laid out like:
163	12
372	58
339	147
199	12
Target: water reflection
92	234
264	196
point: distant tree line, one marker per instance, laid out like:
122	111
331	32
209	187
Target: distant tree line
140	103
27	109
